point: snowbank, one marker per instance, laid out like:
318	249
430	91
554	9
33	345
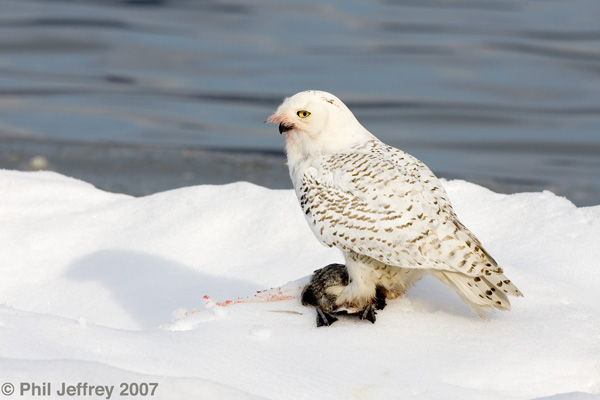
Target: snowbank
107	288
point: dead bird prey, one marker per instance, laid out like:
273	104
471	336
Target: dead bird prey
321	293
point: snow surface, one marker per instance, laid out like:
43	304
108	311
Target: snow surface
108	288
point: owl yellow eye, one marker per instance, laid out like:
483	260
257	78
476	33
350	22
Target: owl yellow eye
303	114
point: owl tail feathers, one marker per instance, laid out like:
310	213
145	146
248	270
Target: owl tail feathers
481	293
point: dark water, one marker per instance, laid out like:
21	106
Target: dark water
143	96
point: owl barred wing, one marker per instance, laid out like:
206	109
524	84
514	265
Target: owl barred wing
357	204
383	203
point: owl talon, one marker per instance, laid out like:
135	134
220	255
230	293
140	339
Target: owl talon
380	297
369	314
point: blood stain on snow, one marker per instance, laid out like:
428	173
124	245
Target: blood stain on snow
267	295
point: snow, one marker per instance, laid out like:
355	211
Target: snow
107	289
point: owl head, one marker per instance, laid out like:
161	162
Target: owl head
317	122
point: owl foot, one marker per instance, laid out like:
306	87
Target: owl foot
380	296
369	312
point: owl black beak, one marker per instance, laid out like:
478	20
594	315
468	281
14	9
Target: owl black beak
283	127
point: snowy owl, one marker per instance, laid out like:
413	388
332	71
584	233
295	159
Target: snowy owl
384	209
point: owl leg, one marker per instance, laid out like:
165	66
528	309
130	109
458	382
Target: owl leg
364	277
369	313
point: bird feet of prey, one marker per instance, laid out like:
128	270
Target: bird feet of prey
323	289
